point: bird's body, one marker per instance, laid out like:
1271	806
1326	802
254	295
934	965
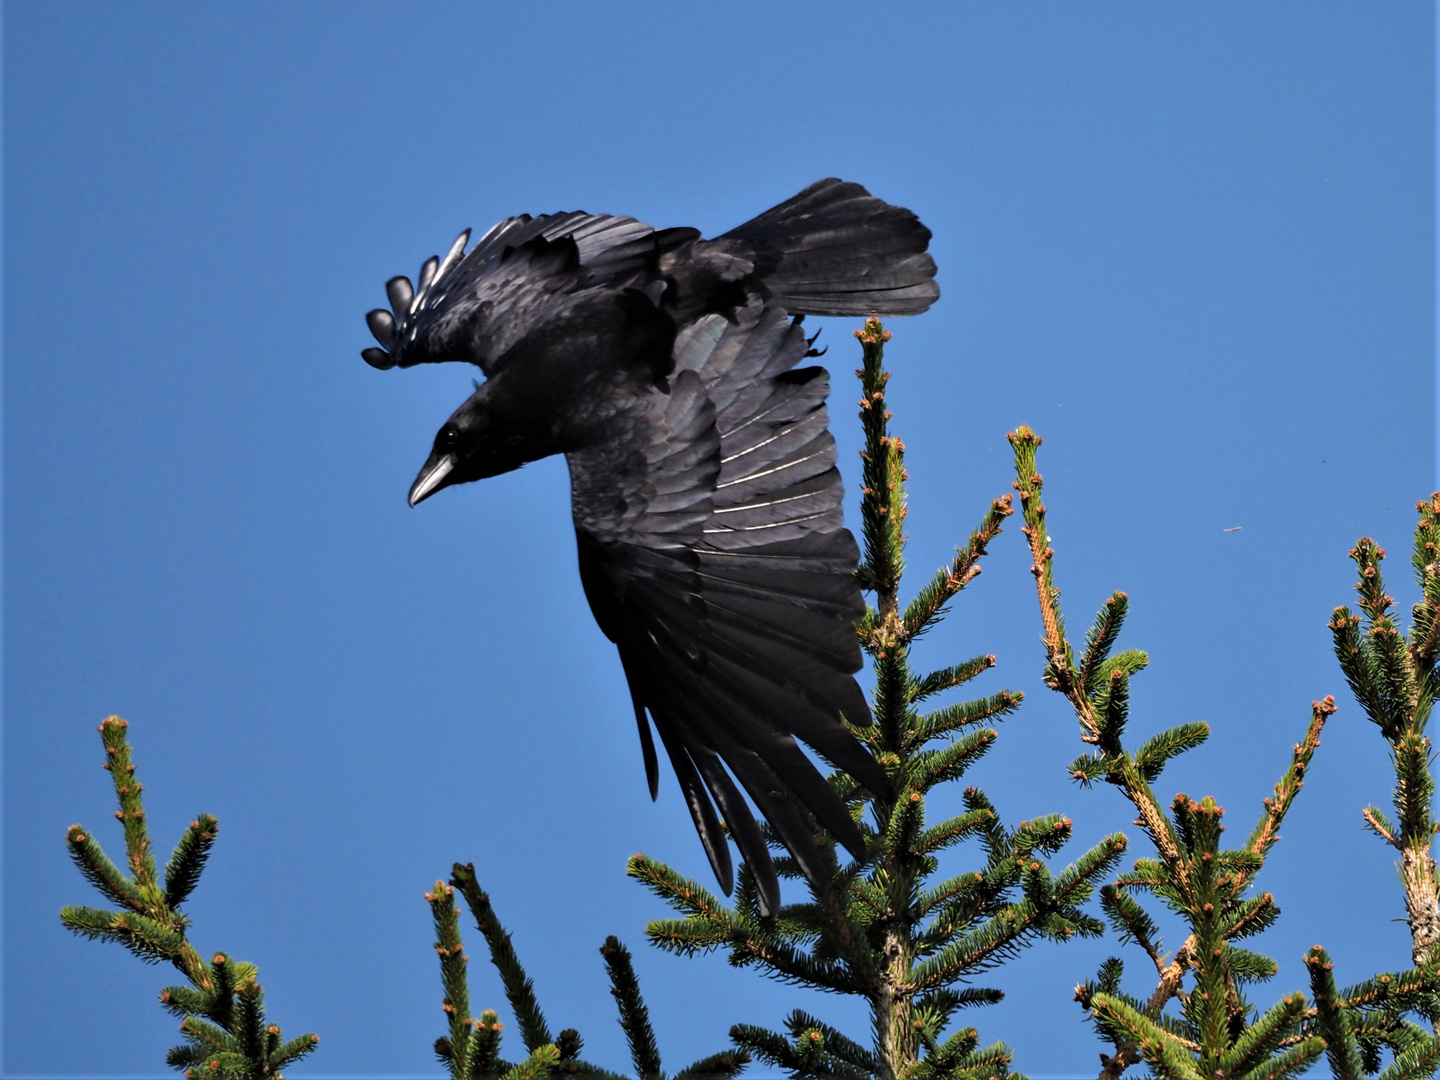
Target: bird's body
704	490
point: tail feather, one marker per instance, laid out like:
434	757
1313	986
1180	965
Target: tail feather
835	249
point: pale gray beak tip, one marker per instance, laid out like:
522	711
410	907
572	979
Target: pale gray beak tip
430	479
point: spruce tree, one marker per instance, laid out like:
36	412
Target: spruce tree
1217	1033
227	1034
223	1009
1394	678
883	928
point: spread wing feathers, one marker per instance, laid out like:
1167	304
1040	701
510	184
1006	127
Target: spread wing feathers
522	273
775	557
712	553
838	250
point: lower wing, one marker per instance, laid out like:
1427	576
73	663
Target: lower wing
713	555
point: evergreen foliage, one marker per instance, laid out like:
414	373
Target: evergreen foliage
1394	677
882	928
471	1050
223	1009
1218	1033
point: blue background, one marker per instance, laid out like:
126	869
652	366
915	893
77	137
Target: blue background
1192	246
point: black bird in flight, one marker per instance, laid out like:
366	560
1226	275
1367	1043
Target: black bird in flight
706	500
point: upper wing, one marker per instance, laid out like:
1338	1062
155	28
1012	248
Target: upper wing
521	274
712	553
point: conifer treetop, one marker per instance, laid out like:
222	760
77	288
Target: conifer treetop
887	928
222	1011
1218	1034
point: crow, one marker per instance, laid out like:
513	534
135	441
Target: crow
706	501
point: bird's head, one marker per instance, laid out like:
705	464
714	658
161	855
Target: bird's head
473	444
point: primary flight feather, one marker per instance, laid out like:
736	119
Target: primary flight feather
706	501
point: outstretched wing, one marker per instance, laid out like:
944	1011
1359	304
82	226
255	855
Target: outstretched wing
523	273
713	555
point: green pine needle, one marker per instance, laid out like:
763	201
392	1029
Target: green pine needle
90	858
634	1017
1130	921
1101	639
519	989
948	678
1155	753
538	1065
929	768
721	1066
951	831
962	715
182	872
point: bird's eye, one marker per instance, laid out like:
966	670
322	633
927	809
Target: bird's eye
447	438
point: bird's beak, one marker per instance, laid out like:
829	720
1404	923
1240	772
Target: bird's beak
431	478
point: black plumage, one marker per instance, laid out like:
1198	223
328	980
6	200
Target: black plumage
706	501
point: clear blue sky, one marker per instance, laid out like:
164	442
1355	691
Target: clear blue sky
1193	246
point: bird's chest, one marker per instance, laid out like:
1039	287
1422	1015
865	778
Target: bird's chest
603	406
622	435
